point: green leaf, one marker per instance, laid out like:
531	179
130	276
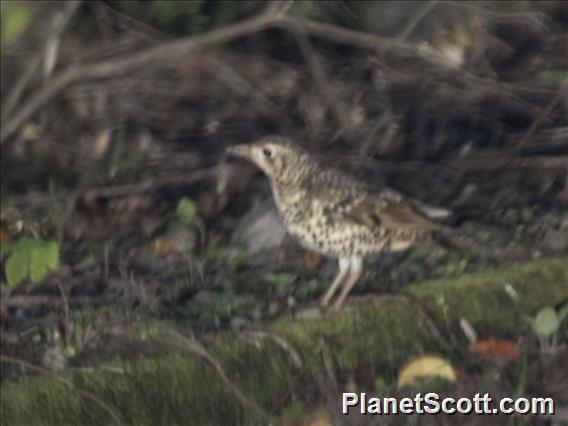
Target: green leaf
70	351
38	268
50	252
33	258
44	257
546	322
186	210
220	188
17	267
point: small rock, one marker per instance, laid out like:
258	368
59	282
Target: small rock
54	359
239	323
260	230
308	314
555	240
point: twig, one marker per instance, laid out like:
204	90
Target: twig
67	213
540	117
193	347
31	300
148	185
499	161
67	382
20	85
292	353
65	300
366	143
319	76
273	16
346	36
9	338
59	23
236	82
135	26
119	66
427	7
402	48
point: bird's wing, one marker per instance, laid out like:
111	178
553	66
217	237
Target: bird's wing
401	214
349	200
387	209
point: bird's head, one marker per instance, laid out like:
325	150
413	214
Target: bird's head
278	157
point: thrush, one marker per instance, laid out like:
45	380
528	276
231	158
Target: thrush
334	214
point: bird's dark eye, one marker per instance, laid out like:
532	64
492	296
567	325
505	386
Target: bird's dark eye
267	152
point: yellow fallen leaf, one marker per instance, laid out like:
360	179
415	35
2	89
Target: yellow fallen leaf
426	367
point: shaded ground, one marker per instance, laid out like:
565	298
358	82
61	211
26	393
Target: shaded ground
295	368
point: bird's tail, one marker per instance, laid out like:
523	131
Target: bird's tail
434	213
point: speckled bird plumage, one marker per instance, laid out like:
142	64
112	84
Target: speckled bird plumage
333	214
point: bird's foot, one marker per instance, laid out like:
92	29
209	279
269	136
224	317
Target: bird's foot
336	306
325	302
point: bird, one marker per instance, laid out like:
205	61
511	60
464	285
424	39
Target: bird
336	215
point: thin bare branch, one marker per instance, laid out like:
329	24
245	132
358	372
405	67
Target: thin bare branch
287	347
58	26
347	36
119	66
319	76
426	7
145	186
561	95
499	161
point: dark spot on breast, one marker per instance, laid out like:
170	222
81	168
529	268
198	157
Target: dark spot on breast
345	202
375	219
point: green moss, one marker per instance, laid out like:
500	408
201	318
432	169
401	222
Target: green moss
271	374
482	298
350	339
40	401
146	392
176	389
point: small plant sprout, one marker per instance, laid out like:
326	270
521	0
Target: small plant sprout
546	325
186	210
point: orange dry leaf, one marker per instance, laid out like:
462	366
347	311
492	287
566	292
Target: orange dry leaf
317	421
496	350
163	246
4	236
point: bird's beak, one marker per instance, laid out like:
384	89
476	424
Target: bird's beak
243	151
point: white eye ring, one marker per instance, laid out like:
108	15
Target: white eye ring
267	152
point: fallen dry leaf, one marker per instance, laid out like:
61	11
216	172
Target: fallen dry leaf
4	236
496	350
426	367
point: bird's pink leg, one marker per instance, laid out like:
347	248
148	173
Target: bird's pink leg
339	278
356	269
